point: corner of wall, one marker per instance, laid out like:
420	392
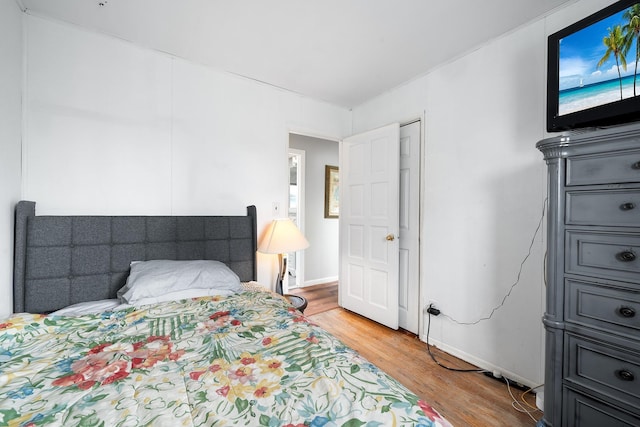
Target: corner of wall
11	118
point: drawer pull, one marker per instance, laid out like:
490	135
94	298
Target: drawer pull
626	256
626	312
625	375
627	206
636	165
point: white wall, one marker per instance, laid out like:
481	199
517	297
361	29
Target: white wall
10	141
321	257
484	186
112	128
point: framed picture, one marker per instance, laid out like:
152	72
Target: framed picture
331	192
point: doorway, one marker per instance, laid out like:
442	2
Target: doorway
308	158
409	202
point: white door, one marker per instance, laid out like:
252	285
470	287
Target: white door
369	218
409	298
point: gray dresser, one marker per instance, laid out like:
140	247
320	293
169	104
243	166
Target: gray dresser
592	316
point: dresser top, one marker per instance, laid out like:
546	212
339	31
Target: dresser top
616	138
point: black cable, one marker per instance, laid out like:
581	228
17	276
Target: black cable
533	239
440	364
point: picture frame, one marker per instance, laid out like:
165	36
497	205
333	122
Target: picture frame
331	191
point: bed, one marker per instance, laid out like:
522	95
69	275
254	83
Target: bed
108	332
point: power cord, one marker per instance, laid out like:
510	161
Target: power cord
533	239
433	311
519	405
434	358
523	406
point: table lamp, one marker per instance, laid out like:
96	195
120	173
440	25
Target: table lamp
282	237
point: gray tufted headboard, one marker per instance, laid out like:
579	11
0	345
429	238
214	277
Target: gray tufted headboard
63	260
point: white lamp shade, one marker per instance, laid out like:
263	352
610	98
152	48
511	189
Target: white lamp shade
281	237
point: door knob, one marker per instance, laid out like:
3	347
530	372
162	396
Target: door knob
390	237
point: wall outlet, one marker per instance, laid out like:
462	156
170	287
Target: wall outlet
431	303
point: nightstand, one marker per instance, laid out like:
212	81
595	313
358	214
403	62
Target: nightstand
297	302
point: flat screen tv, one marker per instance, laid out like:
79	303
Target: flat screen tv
593	77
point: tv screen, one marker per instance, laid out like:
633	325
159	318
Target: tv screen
593	76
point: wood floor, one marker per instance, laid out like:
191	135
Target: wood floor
320	298
465	399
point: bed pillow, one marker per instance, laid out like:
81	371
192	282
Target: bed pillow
153	279
89	307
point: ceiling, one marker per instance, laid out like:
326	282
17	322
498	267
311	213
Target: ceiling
340	51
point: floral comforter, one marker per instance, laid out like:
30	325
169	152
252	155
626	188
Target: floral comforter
246	359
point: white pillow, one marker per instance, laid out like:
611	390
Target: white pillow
89	307
153	279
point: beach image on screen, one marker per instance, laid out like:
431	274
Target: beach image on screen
600	63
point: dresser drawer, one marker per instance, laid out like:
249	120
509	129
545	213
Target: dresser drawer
603	254
582	411
606	168
602	367
607	208
603	306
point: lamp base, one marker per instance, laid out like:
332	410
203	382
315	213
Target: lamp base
282	261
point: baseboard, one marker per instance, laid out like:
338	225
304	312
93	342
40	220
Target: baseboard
319	281
483	364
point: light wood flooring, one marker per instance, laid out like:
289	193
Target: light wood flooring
465	399
320	298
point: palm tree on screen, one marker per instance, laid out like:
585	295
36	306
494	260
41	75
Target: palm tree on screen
615	45
632	33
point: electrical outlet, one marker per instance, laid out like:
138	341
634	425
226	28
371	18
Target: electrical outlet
432	308
432	303
433	311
